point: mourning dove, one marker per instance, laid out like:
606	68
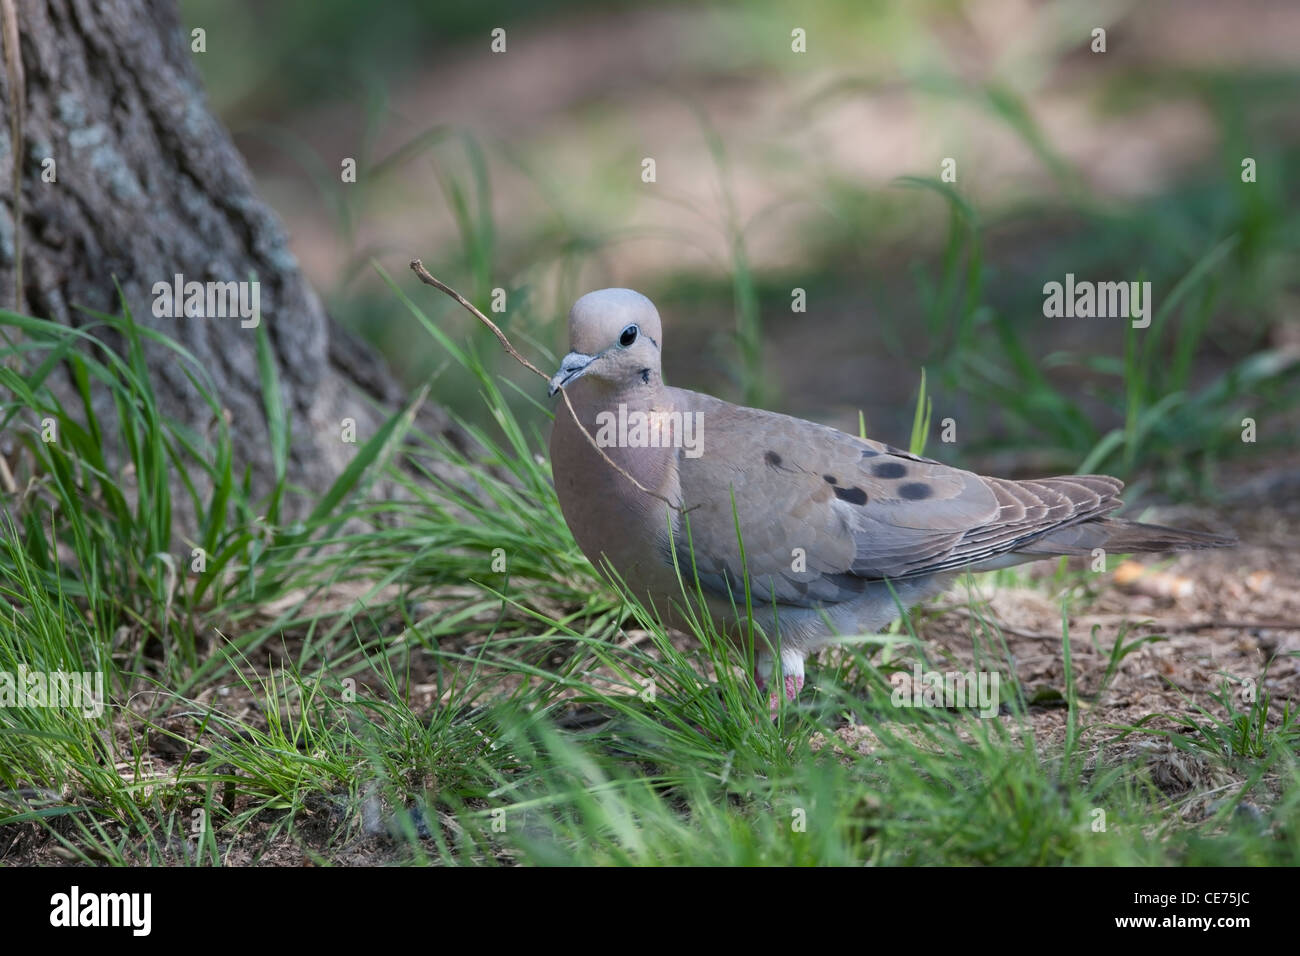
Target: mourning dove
837	531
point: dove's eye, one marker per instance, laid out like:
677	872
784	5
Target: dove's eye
628	336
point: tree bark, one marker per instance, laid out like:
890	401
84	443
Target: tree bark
148	186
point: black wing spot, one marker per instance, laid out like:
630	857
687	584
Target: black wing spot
889	469
645	375
869	453
772	458
830	479
854	496
915	491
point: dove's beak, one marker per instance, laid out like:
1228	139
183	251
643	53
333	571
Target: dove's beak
571	367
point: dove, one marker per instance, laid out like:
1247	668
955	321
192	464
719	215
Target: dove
839	533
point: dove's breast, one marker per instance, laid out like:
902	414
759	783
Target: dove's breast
610	517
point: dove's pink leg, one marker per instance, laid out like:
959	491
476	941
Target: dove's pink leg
793	684
792	667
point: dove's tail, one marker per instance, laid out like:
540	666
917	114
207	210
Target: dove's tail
1135	536
1120	536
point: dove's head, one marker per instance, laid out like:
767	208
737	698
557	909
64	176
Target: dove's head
614	336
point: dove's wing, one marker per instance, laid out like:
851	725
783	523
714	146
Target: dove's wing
821	514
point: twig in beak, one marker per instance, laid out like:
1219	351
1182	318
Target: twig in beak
418	268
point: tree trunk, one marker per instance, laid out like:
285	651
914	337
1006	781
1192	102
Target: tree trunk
147	186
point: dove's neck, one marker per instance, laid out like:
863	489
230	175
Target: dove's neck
597	401
636	426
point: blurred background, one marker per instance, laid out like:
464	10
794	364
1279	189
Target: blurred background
778	170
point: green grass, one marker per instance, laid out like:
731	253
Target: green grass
557	740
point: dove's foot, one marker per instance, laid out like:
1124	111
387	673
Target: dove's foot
793	684
792	668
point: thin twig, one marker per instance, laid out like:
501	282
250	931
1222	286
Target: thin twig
1177	625
1246	625
428	279
1005	628
1173	626
418	268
